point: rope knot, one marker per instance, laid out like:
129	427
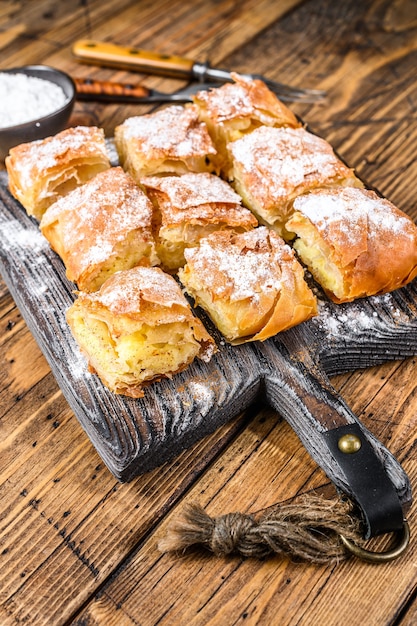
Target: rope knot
231	533
308	529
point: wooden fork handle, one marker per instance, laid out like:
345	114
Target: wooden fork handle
91	89
128	57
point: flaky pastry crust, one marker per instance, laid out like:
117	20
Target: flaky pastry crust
237	108
100	228
42	171
138	328
250	284
171	140
354	242
272	166
190	207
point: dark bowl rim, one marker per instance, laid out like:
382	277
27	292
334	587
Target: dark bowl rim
22	69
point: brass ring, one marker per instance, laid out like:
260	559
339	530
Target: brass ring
400	545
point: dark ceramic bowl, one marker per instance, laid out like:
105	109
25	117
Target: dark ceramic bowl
43	126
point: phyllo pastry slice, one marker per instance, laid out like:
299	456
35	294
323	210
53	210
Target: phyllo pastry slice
250	284
354	242
190	207
237	108
272	166
171	140
42	171
100	228
138	328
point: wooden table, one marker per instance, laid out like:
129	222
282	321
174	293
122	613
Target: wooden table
78	547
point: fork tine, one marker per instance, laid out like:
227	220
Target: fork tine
292	94
289	93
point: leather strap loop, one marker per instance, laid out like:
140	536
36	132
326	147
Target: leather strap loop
371	488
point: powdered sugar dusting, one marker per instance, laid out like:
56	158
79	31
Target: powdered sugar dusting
125	290
24	98
281	159
228	101
355	318
193	189
43	154
349	207
99	214
245	99
203	395
247	265
14	235
174	131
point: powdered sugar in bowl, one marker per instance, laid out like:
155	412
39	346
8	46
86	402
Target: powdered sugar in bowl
36	101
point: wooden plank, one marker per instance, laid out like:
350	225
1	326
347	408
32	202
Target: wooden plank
62	511
230	591
263	466
199	27
49	569
134	436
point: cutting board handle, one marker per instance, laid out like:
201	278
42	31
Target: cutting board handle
354	460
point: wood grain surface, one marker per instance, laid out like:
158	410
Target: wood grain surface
78	547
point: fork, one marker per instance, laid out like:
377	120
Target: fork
109	91
108	54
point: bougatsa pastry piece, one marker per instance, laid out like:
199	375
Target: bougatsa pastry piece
100	228
190	207
235	109
354	242
272	166
42	171
171	140
250	284
138	328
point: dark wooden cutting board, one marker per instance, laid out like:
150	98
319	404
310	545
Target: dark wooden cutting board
289	371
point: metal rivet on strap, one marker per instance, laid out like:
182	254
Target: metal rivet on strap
349	443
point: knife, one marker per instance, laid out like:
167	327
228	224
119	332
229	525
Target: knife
136	59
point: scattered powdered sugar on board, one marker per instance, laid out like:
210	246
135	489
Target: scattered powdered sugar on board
13	235
25	98
112	151
202	394
356	317
78	367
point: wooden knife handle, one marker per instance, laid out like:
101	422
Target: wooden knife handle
127	57
90	89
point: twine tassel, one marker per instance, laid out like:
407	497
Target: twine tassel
308	530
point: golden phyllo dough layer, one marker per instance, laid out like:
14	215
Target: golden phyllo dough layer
100	228
272	166
250	284
354	242
190	207
236	109
40	172
138	328
171	140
